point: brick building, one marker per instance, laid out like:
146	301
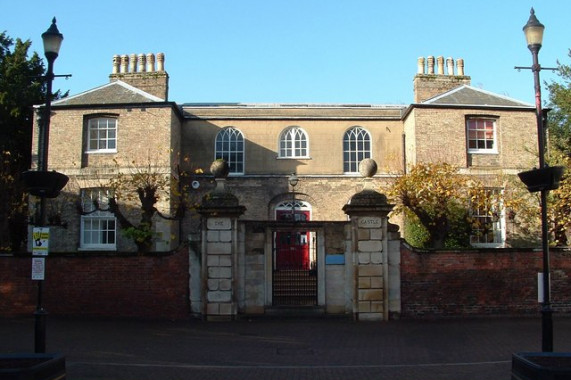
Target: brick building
129	126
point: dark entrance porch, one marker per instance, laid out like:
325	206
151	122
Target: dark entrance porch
294	270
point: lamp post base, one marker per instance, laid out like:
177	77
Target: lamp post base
40	316
547	328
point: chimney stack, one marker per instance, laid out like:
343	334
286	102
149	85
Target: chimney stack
138	70
427	84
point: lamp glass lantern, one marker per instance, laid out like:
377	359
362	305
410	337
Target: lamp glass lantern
533	31
52	39
293	180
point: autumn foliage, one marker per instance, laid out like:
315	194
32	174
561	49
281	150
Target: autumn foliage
440	199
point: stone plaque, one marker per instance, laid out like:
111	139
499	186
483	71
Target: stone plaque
370	222
219	224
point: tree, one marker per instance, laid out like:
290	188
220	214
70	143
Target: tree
440	199
21	87
559	122
559	127
134	196
559	211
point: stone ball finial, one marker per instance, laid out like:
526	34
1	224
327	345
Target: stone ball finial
368	167
220	168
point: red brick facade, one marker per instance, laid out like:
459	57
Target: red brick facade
480	282
98	285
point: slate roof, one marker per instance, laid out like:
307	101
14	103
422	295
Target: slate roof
116	92
472	96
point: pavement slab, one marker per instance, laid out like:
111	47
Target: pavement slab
273	348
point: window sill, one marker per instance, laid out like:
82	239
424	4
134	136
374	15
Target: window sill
489	245
99	248
352	174
293	158
484	152
101	151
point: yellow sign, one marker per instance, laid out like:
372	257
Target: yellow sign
40	241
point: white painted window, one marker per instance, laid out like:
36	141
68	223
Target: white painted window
102	135
356	147
489	221
229	146
98	225
481	134
294	143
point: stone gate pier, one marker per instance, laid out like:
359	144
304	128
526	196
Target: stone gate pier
220	211
375	252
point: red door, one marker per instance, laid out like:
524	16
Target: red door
292	247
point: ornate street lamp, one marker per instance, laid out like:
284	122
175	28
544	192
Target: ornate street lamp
543	179
52	39
41	182
293	181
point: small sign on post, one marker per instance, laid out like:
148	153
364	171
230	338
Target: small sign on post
38	268
40	241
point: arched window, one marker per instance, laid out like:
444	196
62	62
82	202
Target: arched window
230	147
293	209
356	147
293	143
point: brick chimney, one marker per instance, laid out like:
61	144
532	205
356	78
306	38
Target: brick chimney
140	71
428	84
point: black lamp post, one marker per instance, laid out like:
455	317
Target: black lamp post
293	180
543	179
52	39
42	183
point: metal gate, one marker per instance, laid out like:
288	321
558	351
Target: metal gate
294	280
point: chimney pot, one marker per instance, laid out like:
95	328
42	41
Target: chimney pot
450	65
124	63
460	65
150	63
420	63
142	63
133	63
160	62
440	61
430	65
116	63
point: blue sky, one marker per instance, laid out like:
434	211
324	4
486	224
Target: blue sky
296	51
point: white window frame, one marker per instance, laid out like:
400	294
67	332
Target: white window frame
231	139
95	125
293	205
99	218
293	143
483	130
352	156
494	217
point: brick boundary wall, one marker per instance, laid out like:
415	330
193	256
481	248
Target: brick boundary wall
480	282
99	285
433	284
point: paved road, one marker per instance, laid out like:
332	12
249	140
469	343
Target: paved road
332	349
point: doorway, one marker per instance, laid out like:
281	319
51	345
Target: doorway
294	269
